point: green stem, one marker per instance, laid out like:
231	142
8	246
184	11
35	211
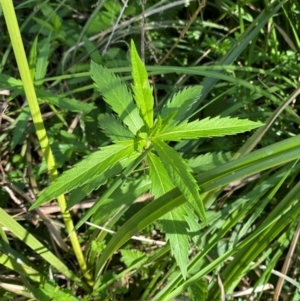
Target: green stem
18	47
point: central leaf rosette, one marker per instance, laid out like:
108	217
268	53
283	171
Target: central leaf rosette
136	135
143	141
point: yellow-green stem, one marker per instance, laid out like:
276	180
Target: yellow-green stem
17	44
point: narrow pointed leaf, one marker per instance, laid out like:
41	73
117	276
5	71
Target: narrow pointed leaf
173	223
127	171
176	229
142	91
181	102
83	172
116	94
180	173
78	194
195	225
113	128
208	127
160	180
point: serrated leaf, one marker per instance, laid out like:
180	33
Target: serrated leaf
180	174
116	94
113	128
208	127
208	161
130	257
143	92
160	180
90	167
175	227
195	225
78	194
181	103
64	103
172	222
198	290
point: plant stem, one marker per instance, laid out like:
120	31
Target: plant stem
18	47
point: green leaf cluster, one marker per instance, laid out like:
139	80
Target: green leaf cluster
251	201
135	134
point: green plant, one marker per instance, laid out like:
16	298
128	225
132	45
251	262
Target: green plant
160	149
142	136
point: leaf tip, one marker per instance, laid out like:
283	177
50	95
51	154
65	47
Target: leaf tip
33	206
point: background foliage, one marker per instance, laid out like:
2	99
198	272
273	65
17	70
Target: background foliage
245	56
